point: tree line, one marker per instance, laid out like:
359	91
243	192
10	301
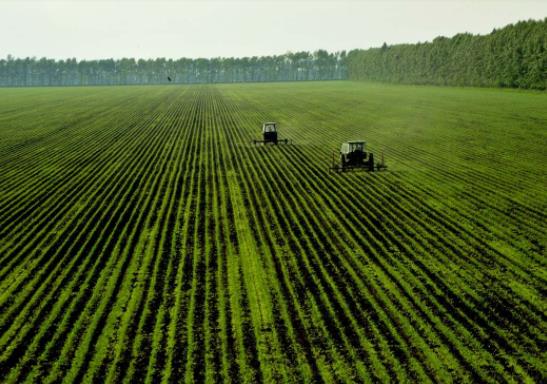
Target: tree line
514	56
30	71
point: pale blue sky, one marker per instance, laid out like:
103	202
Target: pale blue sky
146	28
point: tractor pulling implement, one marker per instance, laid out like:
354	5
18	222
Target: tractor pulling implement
269	135
354	157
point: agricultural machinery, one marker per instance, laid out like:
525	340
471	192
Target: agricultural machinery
353	156
269	135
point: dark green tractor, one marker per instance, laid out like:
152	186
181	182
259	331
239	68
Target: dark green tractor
353	156
269	135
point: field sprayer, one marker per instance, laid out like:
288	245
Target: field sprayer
269	135
353	156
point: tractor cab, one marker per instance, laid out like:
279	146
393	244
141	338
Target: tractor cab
353	146
269	127
353	156
269	131
269	134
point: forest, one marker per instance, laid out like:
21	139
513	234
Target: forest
514	56
319	65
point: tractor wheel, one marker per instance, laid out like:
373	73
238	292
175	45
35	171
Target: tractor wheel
371	162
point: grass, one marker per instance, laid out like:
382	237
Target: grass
143	238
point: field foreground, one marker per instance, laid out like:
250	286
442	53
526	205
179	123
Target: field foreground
143	238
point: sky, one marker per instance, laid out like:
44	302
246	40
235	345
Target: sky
211	28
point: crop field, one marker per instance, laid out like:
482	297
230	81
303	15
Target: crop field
143	238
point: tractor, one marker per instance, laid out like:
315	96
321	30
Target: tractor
269	134
353	156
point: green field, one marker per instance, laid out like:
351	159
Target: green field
143	238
